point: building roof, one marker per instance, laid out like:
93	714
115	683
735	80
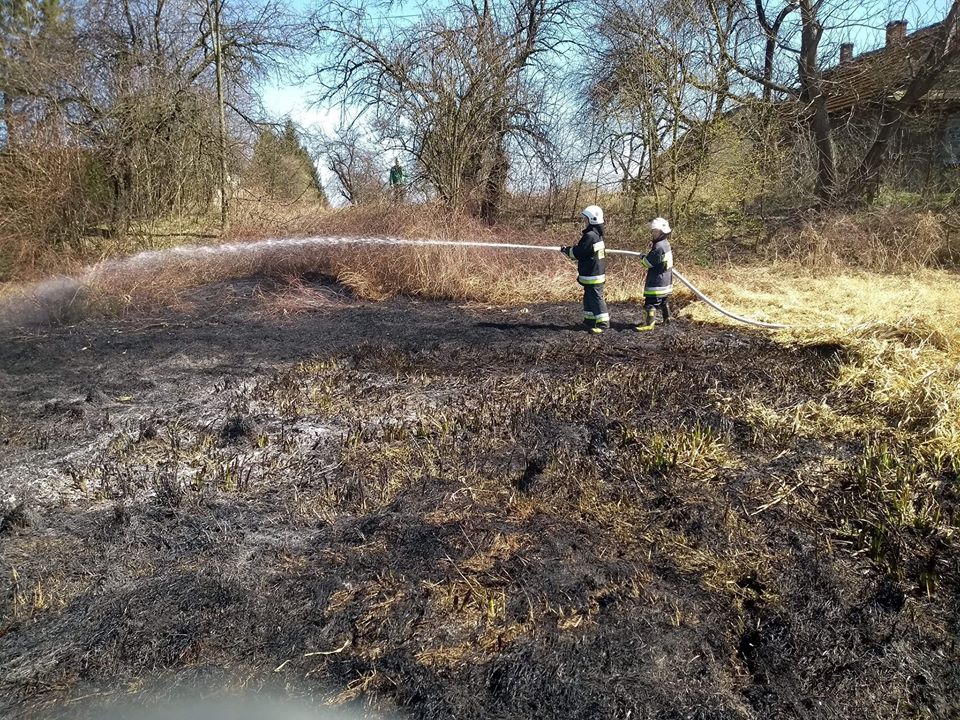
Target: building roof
884	73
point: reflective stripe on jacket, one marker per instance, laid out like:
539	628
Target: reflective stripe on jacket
590	255
659	264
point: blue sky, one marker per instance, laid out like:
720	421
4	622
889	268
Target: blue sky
871	16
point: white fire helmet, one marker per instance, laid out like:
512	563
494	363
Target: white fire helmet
660	224
593	214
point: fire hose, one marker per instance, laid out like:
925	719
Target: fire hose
693	288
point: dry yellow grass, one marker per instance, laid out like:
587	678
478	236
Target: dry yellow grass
843	299
882	239
901	334
894	394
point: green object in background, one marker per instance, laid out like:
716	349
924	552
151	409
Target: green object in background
396	174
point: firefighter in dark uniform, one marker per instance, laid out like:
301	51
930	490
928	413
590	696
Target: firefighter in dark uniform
591	263
659	284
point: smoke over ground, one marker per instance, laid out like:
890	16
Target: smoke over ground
44	302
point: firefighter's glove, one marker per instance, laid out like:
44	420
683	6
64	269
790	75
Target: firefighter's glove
566	251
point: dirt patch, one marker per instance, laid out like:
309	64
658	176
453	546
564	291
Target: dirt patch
455	511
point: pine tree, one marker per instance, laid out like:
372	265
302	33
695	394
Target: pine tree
283	167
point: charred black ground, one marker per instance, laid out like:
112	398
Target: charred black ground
457	512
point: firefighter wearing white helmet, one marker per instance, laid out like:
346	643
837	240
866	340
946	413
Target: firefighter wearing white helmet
659	284
591	264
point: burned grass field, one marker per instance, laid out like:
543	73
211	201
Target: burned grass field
464	511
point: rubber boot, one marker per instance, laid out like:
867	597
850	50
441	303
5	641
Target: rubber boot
596	329
666	312
649	320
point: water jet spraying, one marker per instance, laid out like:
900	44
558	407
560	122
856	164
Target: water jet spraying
48	299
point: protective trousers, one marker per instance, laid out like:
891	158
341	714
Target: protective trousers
594	306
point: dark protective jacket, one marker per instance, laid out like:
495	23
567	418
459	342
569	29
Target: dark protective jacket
590	256
659	264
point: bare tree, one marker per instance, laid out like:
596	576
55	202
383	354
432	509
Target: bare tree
134	84
36	51
771	38
353	163
657	85
814	96
453	88
217	37
813	90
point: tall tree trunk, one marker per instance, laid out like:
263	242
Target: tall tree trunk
218	61
496	182
826	153
811	81
768	58
122	182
